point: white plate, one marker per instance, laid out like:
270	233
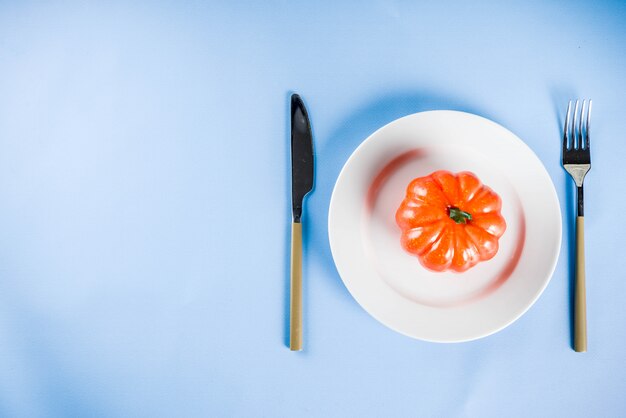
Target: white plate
391	284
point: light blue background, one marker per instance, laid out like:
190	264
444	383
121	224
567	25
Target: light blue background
144	205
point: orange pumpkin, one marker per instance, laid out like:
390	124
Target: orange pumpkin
450	221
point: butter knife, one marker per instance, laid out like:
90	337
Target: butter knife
301	184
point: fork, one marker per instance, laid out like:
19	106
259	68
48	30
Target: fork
577	162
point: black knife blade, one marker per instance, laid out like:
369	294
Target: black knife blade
301	156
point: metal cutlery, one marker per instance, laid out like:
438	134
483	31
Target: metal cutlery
301	184
577	162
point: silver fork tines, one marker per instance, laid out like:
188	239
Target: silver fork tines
576	144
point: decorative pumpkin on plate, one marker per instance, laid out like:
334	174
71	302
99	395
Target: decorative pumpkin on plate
450	221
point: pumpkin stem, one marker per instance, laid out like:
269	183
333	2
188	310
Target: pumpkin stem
459	216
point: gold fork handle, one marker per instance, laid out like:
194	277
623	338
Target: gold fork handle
295	311
580	303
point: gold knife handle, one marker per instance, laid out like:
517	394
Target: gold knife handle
295	311
580	303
